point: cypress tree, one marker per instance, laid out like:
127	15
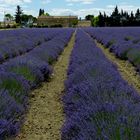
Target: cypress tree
18	14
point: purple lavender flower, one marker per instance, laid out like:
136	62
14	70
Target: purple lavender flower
98	103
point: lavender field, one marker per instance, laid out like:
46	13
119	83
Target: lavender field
123	42
75	80
98	103
26	65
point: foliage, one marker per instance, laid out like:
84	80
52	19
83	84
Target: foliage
9	16
123	42
47	14
26	18
18	14
99	104
116	18
89	17
24	72
41	12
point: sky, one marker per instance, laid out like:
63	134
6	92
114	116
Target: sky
80	8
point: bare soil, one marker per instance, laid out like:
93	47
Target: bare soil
126	69
46	117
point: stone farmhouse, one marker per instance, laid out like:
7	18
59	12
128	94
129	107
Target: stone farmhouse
84	23
63	21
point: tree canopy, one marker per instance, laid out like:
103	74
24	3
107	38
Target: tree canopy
26	18
18	14
117	18
42	12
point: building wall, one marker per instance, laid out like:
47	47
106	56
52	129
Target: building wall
57	20
84	23
11	23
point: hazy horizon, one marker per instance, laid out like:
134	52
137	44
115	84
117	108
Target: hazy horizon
81	8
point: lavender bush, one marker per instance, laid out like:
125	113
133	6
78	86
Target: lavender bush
22	73
34	65
123	42
16	42
98	103
13	102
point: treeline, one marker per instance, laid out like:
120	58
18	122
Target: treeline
117	18
42	12
22	18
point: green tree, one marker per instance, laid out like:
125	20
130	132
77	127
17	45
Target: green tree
137	15
132	19
41	12
137	18
115	17
9	16
89	17
95	21
18	14
101	20
24	18
47	14
105	19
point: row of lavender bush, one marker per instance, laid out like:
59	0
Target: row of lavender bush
16	42
124	42
98	103
19	75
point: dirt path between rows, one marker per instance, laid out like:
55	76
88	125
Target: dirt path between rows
45	117
126	69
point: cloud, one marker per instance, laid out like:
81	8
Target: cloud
70	4
80	12
9	6
95	11
5	8
61	11
46	1
124	6
14	2
31	12
81	1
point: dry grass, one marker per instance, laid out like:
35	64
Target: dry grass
45	117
